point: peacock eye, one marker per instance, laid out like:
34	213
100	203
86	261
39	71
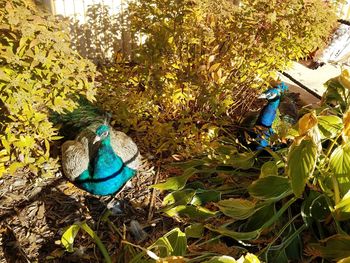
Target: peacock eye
105	134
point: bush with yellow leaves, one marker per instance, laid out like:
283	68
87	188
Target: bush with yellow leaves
39	73
195	61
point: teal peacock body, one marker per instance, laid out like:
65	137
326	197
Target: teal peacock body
261	132
106	173
99	160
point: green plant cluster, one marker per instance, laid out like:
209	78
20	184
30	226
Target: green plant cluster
294	206
39	73
194	62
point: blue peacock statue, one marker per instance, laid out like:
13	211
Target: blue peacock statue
99	160
258	137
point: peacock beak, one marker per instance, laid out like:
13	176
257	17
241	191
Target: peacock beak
263	96
97	139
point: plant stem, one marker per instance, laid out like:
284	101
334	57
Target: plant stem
332	145
97	240
336	190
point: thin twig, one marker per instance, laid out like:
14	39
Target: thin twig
153	196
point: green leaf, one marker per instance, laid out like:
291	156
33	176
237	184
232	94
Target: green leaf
270	188
340	165
301	164
195	230
333	248
176	183
314	208
181	197
174	243
340	160
68	237
269	168
193	212
329	126
242	160
221	259
342	209
203	197
261	216
237	208
234	234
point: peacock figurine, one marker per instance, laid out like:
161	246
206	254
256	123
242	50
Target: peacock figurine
258	137
99	159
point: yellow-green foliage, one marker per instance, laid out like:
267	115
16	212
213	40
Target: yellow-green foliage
196	60
39	73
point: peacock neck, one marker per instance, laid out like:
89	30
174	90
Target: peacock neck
106	141
268	113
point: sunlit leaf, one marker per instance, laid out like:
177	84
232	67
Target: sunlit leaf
344	78
176	183
235	234
221	259
174	243
193	212
205	196
182	197
68	237
329	125
334	248
269	168
307	122
301	164
340	165
342	209
237	208
270	187
195	230
346	121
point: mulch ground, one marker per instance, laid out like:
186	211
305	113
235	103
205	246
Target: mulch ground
35	211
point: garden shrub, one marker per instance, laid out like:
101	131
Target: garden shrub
39	73
193	62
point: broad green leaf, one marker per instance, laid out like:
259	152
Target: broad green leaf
221	259
334	248
261	216
181	197
242	160
195	230
249	258
314	208
340	160
342	209
176	183
234	234
174	243
270	188
68	237
193	212
344	260
301	164
205	196
269	168
329	126
237	208
340	165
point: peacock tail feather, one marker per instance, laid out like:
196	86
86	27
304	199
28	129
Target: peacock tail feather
72	123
